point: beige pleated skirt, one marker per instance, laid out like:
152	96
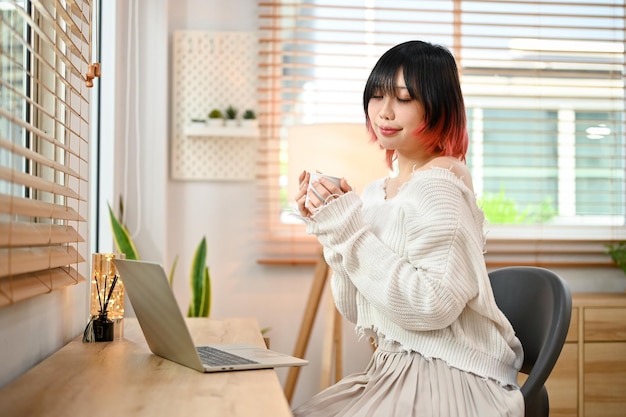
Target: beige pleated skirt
401	384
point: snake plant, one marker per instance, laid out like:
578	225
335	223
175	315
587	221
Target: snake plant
200	305
123	241
200	280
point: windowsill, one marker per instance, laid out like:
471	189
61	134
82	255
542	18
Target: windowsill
490	264
556	233
544	246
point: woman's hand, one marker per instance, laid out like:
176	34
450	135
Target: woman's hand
303	181
325	188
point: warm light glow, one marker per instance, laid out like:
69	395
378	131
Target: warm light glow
102	275
336	149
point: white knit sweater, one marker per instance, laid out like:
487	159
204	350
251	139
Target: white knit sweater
411	270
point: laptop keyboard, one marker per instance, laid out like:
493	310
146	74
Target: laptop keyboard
215	357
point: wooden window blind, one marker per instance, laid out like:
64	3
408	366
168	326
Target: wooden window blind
544	89
44	130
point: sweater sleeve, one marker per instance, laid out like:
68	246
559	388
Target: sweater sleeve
426	285
344	291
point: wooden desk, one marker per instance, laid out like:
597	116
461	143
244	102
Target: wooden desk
123	378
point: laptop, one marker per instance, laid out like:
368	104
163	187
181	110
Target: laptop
166	332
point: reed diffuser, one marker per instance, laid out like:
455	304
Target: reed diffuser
107	300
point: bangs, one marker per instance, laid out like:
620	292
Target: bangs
383	79
383	82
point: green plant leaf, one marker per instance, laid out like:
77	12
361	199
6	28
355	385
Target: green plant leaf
215	114
500	209
172	269
200	281
205	305
617	251
231	113
123	241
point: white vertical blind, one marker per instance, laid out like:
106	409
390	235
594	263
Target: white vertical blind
544	88
44	132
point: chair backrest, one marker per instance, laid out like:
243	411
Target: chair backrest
538	303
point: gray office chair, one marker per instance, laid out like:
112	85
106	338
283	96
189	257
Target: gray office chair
538	303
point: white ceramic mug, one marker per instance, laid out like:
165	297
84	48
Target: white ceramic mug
315	176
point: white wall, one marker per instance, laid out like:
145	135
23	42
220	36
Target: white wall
34	329
225	211
175	214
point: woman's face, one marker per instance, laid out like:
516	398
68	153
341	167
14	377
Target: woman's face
396	117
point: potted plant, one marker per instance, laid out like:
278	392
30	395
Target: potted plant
249	119
231	116
617	251
198	121
199	278
216	118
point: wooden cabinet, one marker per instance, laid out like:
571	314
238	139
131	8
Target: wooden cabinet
563	383
589	379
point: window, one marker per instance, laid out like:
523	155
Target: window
44	130
544	90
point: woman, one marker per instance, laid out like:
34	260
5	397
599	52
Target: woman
407	257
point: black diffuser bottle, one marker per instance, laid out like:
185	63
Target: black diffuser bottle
103	328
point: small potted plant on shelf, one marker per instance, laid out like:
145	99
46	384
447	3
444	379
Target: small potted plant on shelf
249	119
231	116
216	118
198	121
